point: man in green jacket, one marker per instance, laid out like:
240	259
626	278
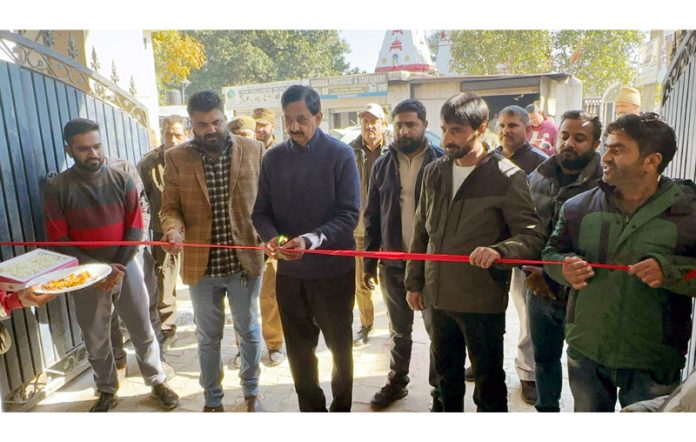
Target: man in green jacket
627	332
474	203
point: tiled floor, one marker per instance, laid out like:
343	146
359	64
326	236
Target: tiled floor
277	392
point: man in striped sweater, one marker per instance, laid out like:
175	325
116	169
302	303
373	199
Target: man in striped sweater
92	202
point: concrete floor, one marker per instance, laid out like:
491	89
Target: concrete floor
371	364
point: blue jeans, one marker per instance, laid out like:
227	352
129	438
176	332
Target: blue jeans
594	386
207	297
546	323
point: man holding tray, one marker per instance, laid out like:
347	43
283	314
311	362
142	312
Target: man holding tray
92	202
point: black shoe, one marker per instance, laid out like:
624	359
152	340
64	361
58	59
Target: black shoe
218	409
469	375
436	406
106	402
387	396
529	392
361	337
165	396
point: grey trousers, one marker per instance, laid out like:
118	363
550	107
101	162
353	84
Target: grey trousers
146	266
94	310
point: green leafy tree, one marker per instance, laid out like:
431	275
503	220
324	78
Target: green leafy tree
598	58
257	56
501	52
176	56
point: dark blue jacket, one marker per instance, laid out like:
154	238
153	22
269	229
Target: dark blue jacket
311	189
383	211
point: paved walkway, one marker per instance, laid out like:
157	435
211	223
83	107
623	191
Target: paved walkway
276	389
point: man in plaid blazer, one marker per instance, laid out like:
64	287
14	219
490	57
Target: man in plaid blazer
210	185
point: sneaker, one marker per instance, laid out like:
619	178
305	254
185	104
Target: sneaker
165	396
218	409
469	375
106	402
361	337
529	392
275	357
387	396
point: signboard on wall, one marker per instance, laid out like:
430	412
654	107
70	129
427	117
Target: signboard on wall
350	86
257	95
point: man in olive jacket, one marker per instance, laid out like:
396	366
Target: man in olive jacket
627	332
478	204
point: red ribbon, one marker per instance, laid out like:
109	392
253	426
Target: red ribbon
440	257
363	254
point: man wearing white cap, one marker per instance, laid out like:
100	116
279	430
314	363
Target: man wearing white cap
627	102
368	147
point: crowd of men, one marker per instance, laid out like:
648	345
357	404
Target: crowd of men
573	194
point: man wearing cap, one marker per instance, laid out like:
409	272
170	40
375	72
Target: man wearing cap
271	327
244	126
627	102
265	126
369	146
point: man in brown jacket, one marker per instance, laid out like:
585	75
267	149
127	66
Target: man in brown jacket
210	186
478	204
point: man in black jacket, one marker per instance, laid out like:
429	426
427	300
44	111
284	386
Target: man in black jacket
392	200
575	168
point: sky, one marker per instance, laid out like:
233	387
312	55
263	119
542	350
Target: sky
365	46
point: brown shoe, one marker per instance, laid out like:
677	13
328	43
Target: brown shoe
529	392
253	405
218	409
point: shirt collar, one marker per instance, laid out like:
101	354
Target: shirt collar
228	143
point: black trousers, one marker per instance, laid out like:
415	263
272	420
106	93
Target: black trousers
400	325
308	306
451	334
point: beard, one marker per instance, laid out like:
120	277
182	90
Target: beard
407	145
571	160
213	142
458	151
89	165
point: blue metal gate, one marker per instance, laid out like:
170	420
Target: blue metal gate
40	90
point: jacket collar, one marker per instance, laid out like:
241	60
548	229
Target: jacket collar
428	149
592	171
526	147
